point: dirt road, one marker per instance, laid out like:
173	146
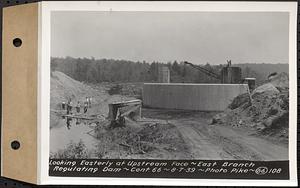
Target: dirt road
221	142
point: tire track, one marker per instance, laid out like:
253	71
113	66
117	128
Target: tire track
224	143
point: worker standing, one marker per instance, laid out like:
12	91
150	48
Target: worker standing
70	106
228	63
90	102
87	100
78	107
69	122
63	105
85	107
77	121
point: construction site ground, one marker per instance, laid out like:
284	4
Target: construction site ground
159	134
206	141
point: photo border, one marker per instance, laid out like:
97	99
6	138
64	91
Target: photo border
44	85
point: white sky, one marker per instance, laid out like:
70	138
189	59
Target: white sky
197	37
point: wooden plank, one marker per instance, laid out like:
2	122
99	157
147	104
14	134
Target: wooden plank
79	117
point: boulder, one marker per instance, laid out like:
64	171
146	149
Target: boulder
265	88
219	118
260	126
239	101
279	80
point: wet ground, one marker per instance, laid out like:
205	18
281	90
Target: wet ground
61	136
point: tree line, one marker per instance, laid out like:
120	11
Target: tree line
110	70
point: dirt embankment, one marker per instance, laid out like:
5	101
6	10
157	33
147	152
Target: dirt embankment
64	88
265	110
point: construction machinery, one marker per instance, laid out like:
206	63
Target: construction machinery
228	75
202	69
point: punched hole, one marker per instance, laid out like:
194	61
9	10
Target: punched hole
15	144
17	42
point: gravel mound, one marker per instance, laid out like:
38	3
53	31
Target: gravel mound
266	109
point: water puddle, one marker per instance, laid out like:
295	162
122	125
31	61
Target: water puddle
63	134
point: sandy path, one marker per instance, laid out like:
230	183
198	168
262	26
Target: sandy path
200	144
244	146
219	142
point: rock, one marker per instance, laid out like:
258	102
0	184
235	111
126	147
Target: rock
264	88
278	120
268	109
214	121
239	100
273	111
252	125
284	102
280	80
268	122
211	121
272	75
218	118
240	122
260	126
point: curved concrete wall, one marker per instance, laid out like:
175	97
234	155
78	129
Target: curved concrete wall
202	97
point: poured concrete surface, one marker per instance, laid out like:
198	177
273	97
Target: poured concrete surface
202	97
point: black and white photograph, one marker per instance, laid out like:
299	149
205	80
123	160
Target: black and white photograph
169	85
150	93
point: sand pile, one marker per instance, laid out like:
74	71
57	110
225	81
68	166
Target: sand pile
64	87
265	110
280	81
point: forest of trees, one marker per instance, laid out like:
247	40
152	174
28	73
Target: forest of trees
110	70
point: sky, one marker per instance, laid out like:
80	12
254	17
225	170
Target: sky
197	37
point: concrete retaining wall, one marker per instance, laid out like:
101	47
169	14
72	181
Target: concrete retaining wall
202	97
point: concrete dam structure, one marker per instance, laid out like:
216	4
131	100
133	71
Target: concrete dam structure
201	97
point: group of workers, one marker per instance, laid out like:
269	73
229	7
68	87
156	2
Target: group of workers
69	105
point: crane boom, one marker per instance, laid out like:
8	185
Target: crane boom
208	72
